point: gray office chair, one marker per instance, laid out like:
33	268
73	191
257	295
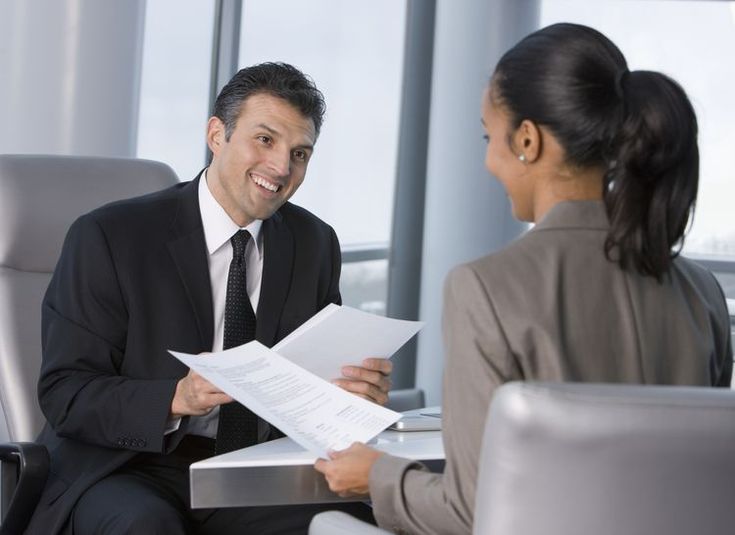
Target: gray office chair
607	459
40	196
339	523
575	459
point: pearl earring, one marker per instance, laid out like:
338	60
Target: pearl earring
522	158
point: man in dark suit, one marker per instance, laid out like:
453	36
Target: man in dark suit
141	276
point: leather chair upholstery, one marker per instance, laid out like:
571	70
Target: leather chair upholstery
607	459
40	196
339	523
575	459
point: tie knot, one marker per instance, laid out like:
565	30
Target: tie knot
239	241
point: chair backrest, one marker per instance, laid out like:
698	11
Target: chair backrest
576	459
40	196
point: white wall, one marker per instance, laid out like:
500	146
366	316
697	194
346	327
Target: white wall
71	72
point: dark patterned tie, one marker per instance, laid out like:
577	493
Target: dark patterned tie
238	426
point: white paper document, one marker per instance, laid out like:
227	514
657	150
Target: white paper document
316	414
340	335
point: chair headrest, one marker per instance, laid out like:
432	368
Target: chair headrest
42	195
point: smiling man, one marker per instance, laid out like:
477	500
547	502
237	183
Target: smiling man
206	265
259	155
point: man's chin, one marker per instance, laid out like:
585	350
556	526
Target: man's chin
265	212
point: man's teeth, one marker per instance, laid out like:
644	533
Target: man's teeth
264	183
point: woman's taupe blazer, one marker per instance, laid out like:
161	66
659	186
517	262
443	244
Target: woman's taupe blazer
550	307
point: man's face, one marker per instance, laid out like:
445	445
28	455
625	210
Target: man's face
264	162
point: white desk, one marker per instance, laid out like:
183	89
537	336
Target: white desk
281	472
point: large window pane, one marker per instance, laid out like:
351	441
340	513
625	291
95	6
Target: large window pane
364	285
694	43
177	54
354	53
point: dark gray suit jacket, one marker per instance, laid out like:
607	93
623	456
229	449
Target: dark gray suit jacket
551	307
132	282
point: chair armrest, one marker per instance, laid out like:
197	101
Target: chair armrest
406	399
25	468
339	523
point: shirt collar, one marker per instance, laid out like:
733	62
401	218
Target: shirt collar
575	214
218	226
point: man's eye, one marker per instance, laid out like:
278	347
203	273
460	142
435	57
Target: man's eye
264	139
299	155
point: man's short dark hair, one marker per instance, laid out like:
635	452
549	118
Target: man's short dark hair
278	79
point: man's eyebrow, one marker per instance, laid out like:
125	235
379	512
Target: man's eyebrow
306	146
270	129
274	132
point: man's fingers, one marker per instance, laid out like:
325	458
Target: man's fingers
383	366
204	396
321	465
220	399
364	390
210	401
200	385
195	396
361	374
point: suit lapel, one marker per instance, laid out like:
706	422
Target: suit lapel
278	248
189	252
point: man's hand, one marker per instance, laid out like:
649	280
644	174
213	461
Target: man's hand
196	396
348	471
370	381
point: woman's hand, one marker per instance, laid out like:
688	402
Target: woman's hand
348	471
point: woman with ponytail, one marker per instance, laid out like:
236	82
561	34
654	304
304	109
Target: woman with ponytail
605	162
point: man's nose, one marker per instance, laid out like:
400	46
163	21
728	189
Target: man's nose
279	162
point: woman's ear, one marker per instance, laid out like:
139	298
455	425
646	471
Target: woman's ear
527	141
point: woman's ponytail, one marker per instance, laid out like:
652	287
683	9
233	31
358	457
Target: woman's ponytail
639	126
651	187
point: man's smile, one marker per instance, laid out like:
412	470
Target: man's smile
265	183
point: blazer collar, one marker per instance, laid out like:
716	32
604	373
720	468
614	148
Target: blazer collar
189	252
278	248
575	214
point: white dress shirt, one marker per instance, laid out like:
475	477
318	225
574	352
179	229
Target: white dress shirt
218	229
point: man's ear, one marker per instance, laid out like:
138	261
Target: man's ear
527	141
215	134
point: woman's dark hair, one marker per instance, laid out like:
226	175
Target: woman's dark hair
278	79
639	126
